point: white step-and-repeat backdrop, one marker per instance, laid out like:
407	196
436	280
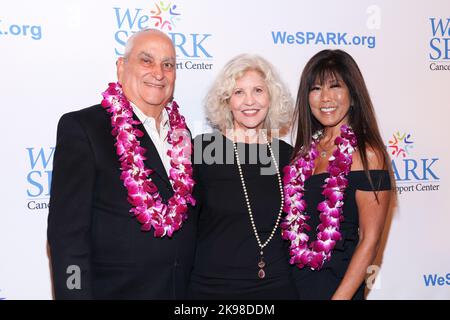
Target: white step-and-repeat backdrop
57	56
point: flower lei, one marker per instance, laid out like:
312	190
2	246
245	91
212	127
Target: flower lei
318	252
143	195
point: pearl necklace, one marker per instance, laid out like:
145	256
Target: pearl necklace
261	263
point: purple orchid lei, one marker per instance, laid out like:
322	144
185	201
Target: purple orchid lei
143	195
315	254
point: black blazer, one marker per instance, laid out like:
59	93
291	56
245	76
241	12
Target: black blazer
90	226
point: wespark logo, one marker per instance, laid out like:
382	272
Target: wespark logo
165	15
400	145
39	177
412	173
331	38
434	280
314	38
439	53
20	30
192	48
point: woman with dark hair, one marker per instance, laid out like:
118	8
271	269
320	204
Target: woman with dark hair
338	184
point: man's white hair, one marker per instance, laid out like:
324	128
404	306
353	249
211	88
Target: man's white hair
132	39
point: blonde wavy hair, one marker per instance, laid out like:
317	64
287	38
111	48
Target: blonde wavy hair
217	100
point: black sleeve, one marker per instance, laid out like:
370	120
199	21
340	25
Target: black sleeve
285	154
380	179
69	219
197	193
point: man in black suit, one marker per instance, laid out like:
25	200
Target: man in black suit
97	248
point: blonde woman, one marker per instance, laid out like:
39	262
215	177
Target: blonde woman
240	253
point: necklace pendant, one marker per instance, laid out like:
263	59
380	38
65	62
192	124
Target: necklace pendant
261	272
323	154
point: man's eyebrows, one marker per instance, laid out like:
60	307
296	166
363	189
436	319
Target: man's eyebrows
149	55
146	54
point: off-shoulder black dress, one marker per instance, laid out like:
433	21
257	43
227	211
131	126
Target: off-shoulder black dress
321	285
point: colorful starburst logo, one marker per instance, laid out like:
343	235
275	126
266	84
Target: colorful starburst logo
164	15
400	144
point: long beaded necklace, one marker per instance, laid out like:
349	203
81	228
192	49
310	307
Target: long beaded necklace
261	263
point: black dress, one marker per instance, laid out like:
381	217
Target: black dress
227	254
321	285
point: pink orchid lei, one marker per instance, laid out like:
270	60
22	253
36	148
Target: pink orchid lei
143	195
319	251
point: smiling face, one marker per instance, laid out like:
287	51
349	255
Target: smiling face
330	101
249	101
147	72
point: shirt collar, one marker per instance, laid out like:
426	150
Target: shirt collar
150	120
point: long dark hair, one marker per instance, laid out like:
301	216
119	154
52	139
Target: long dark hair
335	64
